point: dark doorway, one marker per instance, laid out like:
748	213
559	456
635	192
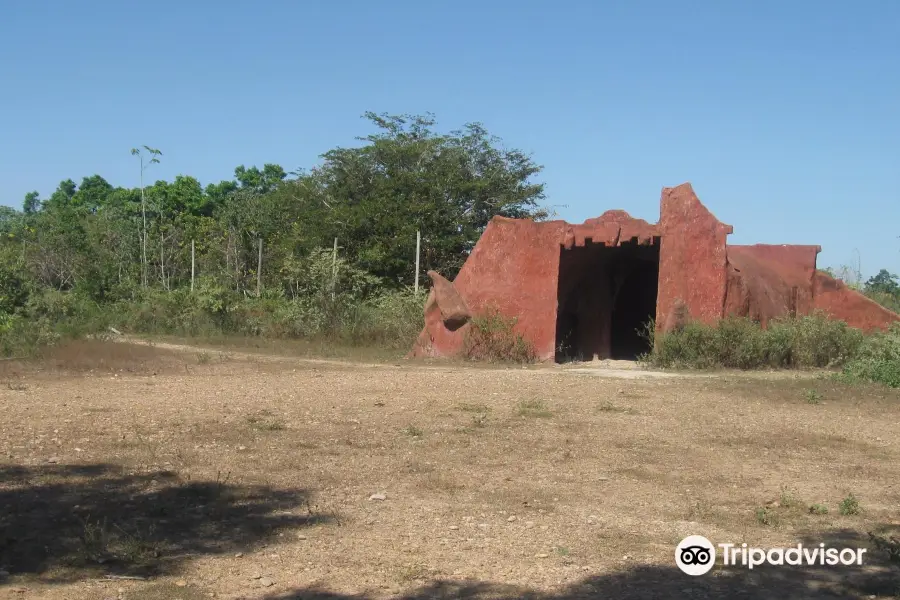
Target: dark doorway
606	295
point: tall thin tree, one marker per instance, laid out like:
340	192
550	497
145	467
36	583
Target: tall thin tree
147	159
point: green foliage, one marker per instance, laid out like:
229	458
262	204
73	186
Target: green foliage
387	319
766	516
818	509
883	283
413	431
14	283
123	256
492	337
812	396
407	177
884	289
877	360
849	506
808	341
390	320
32	203
46	317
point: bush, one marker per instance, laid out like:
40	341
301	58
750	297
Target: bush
21	337
389	320
739	343
877	360
207	311
13	286
47	317
392	320
491	337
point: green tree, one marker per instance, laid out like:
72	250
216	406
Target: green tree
32	203
883	283
63	195
403	178
260	182
92	193
217	193
406	178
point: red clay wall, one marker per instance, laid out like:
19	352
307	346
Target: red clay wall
767	282
841	302
610	229
514	268
770	281
692	258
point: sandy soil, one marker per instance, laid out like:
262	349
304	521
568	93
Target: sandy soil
169	472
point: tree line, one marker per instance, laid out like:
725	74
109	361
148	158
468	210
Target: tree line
110	243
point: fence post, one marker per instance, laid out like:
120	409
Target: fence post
334	268
192	266
418	246
259	270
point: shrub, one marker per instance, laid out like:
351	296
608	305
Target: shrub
818	509
207	311
14	286
21	337
807	341
47	317
849	506
491	337
391	320
319	300
877	359
813	341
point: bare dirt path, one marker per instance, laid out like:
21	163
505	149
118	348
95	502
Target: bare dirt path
615	369
237	475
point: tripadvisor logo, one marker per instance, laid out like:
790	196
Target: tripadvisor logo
696	555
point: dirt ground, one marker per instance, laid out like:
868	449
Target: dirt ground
156	472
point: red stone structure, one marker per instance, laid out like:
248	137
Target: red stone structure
586	290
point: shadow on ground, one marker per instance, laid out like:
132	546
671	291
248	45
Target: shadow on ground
67	522
876	578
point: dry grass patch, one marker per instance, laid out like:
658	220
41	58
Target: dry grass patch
536	409
266	421
473	407
96	357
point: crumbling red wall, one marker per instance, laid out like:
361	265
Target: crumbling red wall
610	229
834	298
692	258
770	281
767	282
515	268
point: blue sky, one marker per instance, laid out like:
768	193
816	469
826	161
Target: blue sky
785	116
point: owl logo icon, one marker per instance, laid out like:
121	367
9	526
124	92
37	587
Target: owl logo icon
695	555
